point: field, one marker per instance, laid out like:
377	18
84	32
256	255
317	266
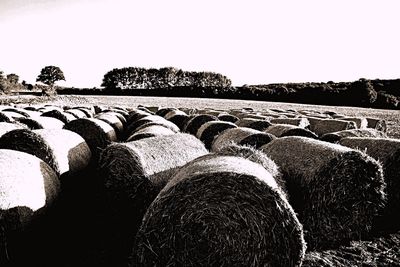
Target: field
392	117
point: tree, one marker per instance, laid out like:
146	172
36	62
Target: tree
12	78
50	74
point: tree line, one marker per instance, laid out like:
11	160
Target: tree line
168	77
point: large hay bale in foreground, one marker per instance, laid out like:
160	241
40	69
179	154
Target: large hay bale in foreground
210	130
241	136
97	133
28	188
132	175
194	124
300	122
367	132
387	151
41	123
63	150
255	124
337	191
150	131
324	126
220	211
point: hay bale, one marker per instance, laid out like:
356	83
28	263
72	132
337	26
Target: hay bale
255	116
63	150
279	129
97	133
112	119
241	136
211	129
4	117
255	124
28	188
378	124
135	115
228	117
220	211
387	151
132	175
88	111
380	251
41	123
150	131
21	111
194	124
324	126
361	123
60	115
367	132
179	118
163	111
300	122
13	114
155	119
257	156
336	191
78	113
6	127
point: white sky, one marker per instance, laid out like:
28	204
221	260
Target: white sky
250	41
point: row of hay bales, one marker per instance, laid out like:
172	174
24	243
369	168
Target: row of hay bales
158	196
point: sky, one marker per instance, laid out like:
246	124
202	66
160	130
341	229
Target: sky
251	42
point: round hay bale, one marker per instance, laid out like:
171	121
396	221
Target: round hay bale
279	129
112	119
28	188
387	151
132	175
299	132
300	122
119	115
6	127
378	124
134	126
228	117
220	211
149	109
255	116
21	111
324	126
88	112
256	156
180	120
367	132
361	123
60	115
4	117
173	113
41	123
256	124
63	150
13	114
211	129
31	108
336	191
122	113
194	124
135	115
164	111
150	131
78	113
47	108
97	133
241	136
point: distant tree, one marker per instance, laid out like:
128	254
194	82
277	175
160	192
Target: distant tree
12	78
49	75
361	93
